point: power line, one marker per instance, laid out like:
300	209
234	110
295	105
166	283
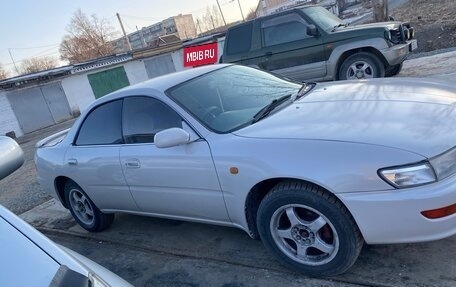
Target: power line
22	60
142	17
37	47
44	51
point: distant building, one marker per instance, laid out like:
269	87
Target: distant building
266	7
180	26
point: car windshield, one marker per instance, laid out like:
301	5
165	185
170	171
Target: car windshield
228	99
323	18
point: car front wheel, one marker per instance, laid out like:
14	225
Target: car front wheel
393	70
361	65
308	229
84	211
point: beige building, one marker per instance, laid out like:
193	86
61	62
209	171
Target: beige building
180	26
266	7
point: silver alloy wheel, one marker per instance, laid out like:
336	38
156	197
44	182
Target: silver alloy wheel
360	70
304	234
81	206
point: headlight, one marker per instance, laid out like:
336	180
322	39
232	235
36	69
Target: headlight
445	164
408	176
412	33
388	35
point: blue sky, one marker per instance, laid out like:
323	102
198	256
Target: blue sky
35	28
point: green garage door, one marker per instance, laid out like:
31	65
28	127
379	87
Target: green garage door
103	83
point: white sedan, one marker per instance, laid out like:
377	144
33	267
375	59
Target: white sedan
314	170
28	258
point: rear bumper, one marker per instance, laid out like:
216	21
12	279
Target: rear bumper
45	174
394	216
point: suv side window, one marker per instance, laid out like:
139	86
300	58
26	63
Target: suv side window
102	126
284	29
242	35
143	117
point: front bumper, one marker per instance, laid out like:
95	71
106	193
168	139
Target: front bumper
396	54
394	216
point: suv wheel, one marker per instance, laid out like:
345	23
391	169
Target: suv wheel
393	70
361	66
308	229
84	211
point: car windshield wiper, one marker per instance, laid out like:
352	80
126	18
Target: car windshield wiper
269	108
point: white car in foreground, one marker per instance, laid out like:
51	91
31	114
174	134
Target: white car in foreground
30	259
313	170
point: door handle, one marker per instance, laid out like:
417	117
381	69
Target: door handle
268	54
72	161
134	163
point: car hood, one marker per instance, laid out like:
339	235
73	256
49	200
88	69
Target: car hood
389	25
416	115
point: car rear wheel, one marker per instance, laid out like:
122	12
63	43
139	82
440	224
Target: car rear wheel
361	66
84	211
308	229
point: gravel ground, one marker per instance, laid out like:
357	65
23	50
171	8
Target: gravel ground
433	21
20	191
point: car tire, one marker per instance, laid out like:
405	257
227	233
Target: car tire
393	70
361	65
84	211
308	229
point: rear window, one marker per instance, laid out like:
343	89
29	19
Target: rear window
102	126
240	38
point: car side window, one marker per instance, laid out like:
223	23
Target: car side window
284	29
102	126
143	117
243	39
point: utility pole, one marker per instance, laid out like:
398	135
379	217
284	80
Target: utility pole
123	30
242	14
14	63
223	17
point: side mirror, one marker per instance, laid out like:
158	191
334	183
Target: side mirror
312	30
11	156
171	137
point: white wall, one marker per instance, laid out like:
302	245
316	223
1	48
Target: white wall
136	71
8	121
178	59
78	91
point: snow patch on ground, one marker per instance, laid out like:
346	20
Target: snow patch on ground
441	66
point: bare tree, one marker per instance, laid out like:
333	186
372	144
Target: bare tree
87	38
380	8
211	20
3	73
251	15
34	65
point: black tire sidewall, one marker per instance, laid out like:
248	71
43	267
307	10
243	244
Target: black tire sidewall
96	212
348	250
371	59
393	70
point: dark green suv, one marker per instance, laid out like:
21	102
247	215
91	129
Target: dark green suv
310	43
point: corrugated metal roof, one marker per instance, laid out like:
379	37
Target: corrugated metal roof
35	77
101	62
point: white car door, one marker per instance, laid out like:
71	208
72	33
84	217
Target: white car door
93	159
179	181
